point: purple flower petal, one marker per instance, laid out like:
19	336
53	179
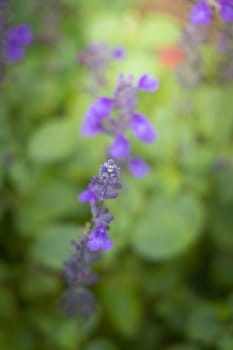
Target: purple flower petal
91	126
99	240
148	83
119	148
142	129
14	51
22	34
226	10
138	168
18	37
99	110
88	195
119	53
102	107
201	14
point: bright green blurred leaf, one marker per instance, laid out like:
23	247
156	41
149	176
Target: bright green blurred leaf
169	226
122	305
53	141
53	246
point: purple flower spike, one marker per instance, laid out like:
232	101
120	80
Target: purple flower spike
119	53
138	167
119	149
99	240
201	14
148	83
142	129
226	10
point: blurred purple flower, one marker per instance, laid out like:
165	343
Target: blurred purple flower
99	111
201	14
138	167
99	240
226	10
115	115
17	38
148	83
96	58
119	53
87	195
120	148
142	129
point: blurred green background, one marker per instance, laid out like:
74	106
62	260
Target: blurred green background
168	282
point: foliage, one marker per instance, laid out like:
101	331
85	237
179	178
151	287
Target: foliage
168	282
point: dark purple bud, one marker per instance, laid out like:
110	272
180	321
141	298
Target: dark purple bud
104	218
78	301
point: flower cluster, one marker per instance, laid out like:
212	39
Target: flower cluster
202	12
197	32
17	39
96	58
115	115
78	274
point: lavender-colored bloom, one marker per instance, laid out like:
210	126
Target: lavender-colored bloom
201	14
148	83
99	240
125	97
17	38
138	168
96	58
99	111
107	184
142	129
103	218
77	271
87	195
114	116
226	10
120	148
14	51
119	53
22	33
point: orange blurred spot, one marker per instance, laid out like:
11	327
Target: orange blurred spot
171	56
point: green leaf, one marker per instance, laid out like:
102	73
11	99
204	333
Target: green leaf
205	324
169	227
54	198
221	224
122	305
53	141
101	344
52	247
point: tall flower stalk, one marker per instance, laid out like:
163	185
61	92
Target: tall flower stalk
78	297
